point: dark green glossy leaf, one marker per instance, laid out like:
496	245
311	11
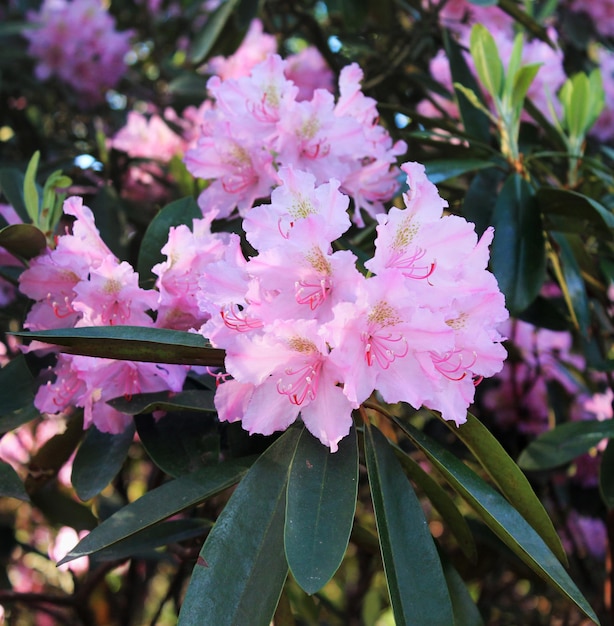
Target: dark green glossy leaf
169	499
582	211
512	483
481	197
11	185
98	459
606	475
10	483
321	500
476	123
418	590
152	537
215	24
62	509
182	211
518	254
179	443
545	313
189	85
242	567
133	343
484	3
502	518
572	283
466	613
23	240
189	400
444	169
564	443
454	520
16	394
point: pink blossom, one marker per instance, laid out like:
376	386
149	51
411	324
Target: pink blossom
66	539
308	70
147	138
77	42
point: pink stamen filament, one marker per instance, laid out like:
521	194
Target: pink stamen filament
378	348
61	310
262	111
400	260
451	364
320	149
236	319
239	182
304	383
313	293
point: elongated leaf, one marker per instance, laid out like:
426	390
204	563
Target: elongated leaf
476	123
189	400
486	58
133	343
11	184
418	590
10	483
182	211
509	479
444	169
169	499
501	518
583	210
606	476
564	443
518	254
320	506
466	613
162	534
179	443
16	394
30	188
62	509
453	518
572	283
481	197
23	240
242	567
98	459
215	23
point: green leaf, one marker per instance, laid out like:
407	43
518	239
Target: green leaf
190	400
61	509
179	443
215	24
480	198
23	240
474	120
10	483
98	459
182	211
522	81
443	169
486	58
146	540
572	283
466	613
320	505
133	343
11	184
16	394
453	518
502	518
606	476
242	567
156	505
418	590
30	189
583	210
518	256
564	443
512	483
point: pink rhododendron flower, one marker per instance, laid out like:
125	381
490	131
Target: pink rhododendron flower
306	334
77	42
81	283
259	125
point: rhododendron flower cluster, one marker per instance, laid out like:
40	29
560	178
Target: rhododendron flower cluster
307	69
77	42
258	125
306	333
82	283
